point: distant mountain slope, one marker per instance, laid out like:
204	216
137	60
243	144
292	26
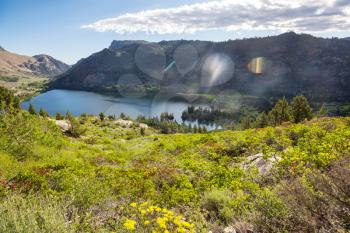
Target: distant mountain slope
283	65
12	64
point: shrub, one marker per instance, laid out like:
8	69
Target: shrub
76	130
219	205
59	116
31	110
43	113
37	214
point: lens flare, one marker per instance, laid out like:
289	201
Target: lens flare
217	70
186	57
257	65
150	59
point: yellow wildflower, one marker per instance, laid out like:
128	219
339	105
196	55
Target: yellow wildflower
144	204
177	220
130	224
134	205
181	230
146	222
162	222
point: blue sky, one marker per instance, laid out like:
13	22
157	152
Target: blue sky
72	29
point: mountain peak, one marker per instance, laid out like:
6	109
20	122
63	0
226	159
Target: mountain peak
118	44
289	34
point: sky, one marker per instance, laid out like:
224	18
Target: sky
73	29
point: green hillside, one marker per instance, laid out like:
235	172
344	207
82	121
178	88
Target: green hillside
111	178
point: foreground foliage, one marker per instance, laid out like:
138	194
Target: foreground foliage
114	179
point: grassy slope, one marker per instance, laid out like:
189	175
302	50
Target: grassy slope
66	184
24	87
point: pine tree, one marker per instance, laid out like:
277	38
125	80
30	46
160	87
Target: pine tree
8	101
43	113
199	129
246	122
322	112
195	130
301	109
31	110
142	131
59	116
102	116
281	112
262	120
204	129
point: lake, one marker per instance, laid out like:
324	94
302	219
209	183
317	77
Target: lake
78	102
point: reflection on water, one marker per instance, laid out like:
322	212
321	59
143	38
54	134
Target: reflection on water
78	102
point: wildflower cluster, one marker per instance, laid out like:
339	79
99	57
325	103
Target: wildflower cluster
151	218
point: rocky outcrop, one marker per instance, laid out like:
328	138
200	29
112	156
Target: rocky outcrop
262	163
124	123
45	65
64	125
119	44
143	126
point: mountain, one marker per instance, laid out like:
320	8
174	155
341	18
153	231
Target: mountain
119	44
46	65
12	64
283	65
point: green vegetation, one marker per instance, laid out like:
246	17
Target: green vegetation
24	87
297	111
9	79
43	113
104	177
31	109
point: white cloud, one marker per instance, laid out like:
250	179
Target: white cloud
297	15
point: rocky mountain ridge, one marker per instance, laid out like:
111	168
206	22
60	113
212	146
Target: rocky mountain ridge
12	64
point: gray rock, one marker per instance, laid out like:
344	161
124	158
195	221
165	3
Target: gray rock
229	230
263	165
64	125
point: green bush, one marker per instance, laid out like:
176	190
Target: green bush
31	214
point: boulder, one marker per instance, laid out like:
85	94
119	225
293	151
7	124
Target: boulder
125	123
143	126
229	230
64	125
263	165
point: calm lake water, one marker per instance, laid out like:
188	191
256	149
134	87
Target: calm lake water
78	102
